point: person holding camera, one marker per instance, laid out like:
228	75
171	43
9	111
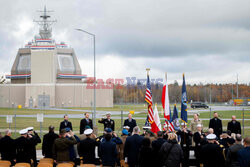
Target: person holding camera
62	146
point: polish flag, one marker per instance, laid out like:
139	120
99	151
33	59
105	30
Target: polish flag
157	118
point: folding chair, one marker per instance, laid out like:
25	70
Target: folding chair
87	165
4	163
43	164
65	165
46	160
22	164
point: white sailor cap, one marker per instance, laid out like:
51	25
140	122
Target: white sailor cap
211	136
126	127
30	128
108	113
199	126
146	127
23	131
88	131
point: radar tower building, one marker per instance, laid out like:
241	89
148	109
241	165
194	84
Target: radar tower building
48	74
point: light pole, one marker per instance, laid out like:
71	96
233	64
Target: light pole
93	35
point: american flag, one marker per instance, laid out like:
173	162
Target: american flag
148	99
169	125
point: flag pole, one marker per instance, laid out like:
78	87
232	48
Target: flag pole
147	69
183	79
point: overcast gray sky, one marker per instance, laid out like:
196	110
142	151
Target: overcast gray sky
208	40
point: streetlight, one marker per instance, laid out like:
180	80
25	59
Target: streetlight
93	35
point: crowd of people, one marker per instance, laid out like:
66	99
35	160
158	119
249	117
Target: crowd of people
215	147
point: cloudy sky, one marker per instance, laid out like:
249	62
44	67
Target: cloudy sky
208	40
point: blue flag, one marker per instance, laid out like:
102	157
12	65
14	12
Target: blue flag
184	102
175	119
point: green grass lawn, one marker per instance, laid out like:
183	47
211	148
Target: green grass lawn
24	111
26	122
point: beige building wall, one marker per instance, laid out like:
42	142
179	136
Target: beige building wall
61	95
43	66
34	90
70	95
12	95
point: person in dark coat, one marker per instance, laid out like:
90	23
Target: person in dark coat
186	141
132	147
108	122
107	151
61	146
200	140
130	122
244	154
216	124
145	154
171	154
7	147
232	157
234	126
48	141
23	146
34	139
211	153
85	122
86	148
156	146
65	124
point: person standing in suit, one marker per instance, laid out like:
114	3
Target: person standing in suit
48	141
216	124
65	124
85	122
107	151
234	126
108	122
132	147
130	122
244	154
156	145
7	147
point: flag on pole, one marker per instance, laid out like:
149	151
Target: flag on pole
157	118
148	99
166	106
175	119
184	102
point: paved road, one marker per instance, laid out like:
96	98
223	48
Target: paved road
101	113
